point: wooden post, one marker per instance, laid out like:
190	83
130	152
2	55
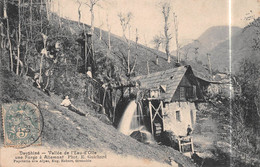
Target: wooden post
85	53
192	148
151	116
162	115
179	142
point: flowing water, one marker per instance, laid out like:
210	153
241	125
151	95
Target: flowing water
128	122
132	121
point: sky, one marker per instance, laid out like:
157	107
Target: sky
194	16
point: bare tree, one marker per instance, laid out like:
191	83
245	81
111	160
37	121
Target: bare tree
8	36
109	33
147	58
209	64
59	13
100	26
31	19
185	51
91	4
79	11
125	24
47	6
136	46
166	8
41	12
176	24
157	42
18	37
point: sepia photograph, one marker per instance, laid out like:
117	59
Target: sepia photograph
130	83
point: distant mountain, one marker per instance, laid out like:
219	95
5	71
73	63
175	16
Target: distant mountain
216	35
213	41
242	47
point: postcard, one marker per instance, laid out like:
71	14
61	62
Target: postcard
124	83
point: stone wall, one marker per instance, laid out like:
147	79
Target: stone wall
187	114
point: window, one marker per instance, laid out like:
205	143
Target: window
154	93
178	116
194	90
191	92
182	93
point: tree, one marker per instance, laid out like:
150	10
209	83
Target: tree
125	24
157	42
18	37
245	115
100	26
147	58
109	33
176	24
79	11
166	8
91	4
8	36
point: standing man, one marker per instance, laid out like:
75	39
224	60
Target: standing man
189	130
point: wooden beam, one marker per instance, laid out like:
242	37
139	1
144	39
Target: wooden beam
179	142
151	115
192	147
156	112
162	115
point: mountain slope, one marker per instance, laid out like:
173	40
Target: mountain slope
215	35
65	129
242	47
144	54
213	41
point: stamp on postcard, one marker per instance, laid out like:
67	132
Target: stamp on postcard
22	124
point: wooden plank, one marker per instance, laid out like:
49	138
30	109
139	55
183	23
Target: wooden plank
151	115
162	116
192	147
184	144
157	111
179	142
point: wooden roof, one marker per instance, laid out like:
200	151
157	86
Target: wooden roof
171	78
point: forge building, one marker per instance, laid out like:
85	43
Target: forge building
172	102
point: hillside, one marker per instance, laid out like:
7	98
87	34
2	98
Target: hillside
119	53
64	129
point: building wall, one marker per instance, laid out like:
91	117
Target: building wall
187	110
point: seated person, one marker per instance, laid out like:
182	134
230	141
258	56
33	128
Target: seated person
67	103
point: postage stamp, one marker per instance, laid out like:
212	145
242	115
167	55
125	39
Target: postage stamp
22	124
